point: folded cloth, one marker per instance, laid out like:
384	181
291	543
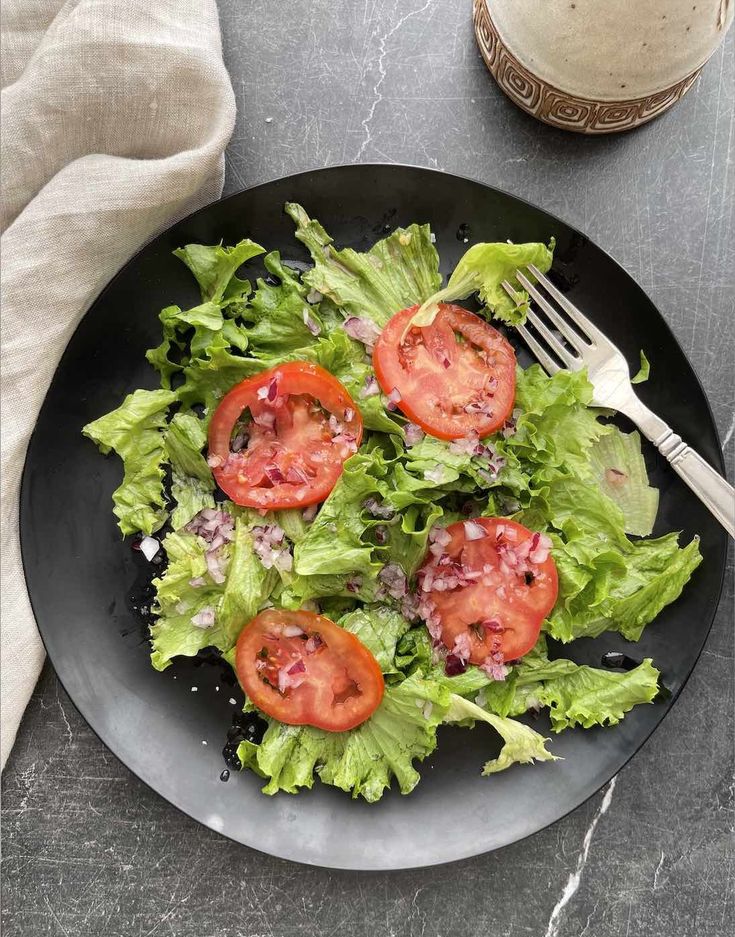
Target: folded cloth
115	115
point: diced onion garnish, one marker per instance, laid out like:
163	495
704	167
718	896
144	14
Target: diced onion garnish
149	546
204	618
394	398
362	330
474	531
413	434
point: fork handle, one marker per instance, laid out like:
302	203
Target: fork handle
709	486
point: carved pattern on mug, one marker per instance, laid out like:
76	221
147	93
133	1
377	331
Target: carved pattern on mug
556	107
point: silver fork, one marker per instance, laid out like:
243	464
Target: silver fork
610	378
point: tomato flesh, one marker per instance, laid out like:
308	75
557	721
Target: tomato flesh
303	427
303	669
454	377
486	587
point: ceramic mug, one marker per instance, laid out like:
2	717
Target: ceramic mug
598	66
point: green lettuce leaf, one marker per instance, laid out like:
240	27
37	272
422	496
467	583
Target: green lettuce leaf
643	372
589	696
192	484
276	314
408	539
624	591
617	464
362	761
556	428
520	743
207	379
482	269
334	542
575	694
134	432
214	268
437	465
379	628
207	332
397	272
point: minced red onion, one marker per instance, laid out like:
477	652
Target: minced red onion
453	666
467	445
216	528
487	476
204	618
274	474
462	647
310	513
540	549
197	582
474	531
394	398
494	667
435	474
213	567
371	387
214	461
373	506
353	584
292	631
296	476
149	546
394	580
362	330
311	324
267	419
413	434
269	545
313	643
347	441
440	535
292	676
479	406
410	606
314	296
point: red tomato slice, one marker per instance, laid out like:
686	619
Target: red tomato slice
486	586
302	669
304	427
455	377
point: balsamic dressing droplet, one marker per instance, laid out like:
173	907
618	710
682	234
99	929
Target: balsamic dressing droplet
463	232
225	776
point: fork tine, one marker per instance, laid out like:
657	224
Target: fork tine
573	337
570	360
579	318
550	365
544	359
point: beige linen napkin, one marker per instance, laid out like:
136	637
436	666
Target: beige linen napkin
115	115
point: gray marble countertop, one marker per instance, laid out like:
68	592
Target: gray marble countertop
89	851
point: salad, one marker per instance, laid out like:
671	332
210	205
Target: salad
380	521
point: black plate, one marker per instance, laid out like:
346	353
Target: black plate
83	581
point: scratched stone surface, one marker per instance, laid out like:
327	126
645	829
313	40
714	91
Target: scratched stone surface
89	851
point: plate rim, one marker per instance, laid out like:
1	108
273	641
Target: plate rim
471	852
